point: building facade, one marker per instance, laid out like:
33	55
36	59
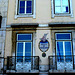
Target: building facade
40	36
3	20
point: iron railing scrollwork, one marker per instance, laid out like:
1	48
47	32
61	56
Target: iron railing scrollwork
1	65
22	62
65	63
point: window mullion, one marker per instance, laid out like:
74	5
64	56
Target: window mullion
64	49
23	51
25	6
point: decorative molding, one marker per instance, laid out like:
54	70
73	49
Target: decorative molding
52	8
71	8
43	25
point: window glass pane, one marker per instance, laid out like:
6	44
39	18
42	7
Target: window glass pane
68	48
65	2
19	59
57	9
63	36
59	48
28	47
19	54
22	7
60	57
26	37
57	2
28	54
19	47
27	57
65	9
29	7
68	52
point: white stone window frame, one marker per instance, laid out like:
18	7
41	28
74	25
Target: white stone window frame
68	14
27	15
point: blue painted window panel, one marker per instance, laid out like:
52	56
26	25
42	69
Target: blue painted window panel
59	48
66	9
68	46
60	52
28	47
63	36
21	10
28	51
19	52
26	37
19	57
22	3
27	58
22	7
68	52
27	54
29	7
20	47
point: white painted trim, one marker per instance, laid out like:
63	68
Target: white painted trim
43	25
16	7
64	48
71	8
33	44
25	6
34	9
23	48
52	8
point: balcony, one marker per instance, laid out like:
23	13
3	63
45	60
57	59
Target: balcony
61	64
30	64
23	64
1	65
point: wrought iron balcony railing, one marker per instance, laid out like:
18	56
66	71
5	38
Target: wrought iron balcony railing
62	63
22	63
1	65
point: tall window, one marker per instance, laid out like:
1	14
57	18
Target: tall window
62	6
63	46
24	46
25	7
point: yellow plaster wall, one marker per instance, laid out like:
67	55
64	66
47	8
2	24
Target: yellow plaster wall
8	43
39	34
43	13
